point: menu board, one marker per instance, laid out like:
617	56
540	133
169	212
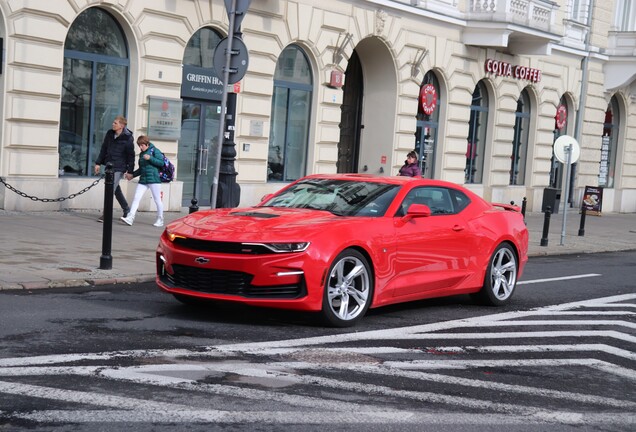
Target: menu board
592	200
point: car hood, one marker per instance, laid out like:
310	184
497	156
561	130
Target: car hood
238	224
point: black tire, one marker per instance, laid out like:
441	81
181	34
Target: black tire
348	289
501	277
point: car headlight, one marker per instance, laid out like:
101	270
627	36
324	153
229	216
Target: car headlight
284	247
173	236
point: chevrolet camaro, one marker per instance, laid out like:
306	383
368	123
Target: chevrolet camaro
340	244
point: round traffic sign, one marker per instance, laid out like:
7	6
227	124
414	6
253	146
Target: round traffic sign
561	145
238	61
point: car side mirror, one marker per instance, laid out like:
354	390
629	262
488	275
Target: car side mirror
418	211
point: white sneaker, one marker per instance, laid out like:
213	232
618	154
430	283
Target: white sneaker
128	220
158	222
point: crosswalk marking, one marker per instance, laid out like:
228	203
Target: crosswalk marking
281	376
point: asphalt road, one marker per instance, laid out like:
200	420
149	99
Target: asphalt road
560	357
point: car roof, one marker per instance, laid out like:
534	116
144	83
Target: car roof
397	180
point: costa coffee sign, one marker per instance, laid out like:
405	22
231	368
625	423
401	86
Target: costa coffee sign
500	68
428	98
561	116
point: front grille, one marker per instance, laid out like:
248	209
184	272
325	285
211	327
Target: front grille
229	283
221	247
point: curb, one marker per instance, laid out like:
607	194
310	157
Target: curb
72	283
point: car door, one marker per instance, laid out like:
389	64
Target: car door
434	252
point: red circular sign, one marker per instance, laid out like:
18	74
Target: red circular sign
561	116
428	98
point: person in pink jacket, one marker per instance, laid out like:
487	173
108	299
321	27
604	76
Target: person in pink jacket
411	167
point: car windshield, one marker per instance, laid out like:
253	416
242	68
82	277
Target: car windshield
340	197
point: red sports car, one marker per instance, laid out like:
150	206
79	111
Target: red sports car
340	244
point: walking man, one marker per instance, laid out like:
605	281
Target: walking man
118	148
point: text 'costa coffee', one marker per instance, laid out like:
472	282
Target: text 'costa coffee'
501	68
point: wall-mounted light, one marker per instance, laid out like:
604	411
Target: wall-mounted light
338	50
420	55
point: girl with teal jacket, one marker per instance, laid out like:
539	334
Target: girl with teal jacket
150	162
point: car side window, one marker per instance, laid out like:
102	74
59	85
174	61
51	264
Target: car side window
441	200
460	200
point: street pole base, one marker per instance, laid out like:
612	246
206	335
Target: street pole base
106	262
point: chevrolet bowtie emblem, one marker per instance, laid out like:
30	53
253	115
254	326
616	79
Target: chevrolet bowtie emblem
201	260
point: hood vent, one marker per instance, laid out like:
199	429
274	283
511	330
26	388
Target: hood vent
255	214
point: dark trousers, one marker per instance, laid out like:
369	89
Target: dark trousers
119	195
121	199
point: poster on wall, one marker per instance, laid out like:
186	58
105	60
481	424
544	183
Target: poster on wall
604	164
592	200
164	118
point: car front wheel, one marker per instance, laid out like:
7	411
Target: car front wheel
348	289
501	277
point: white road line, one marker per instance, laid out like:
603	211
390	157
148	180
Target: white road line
469	336
554	349
513	323
465	382
561	278
88	398
162	411
256	347
589	313
604	366
319	418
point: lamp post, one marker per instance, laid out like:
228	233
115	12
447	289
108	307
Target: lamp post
230	57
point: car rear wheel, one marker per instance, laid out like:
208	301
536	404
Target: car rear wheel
348	289
501	277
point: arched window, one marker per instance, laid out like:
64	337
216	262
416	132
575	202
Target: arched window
289	125
476	141
94	88
609	147
560	128
200	49
428	123
520	140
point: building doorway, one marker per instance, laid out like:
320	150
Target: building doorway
198	150
201	94
351	117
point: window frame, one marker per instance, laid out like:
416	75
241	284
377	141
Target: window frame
289	86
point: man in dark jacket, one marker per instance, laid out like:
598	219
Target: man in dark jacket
118	148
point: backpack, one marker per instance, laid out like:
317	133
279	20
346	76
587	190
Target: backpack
166	172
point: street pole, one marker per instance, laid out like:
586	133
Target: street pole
568	159
583	95
224	111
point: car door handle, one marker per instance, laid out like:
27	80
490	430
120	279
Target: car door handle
458	228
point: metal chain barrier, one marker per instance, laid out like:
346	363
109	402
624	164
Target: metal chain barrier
48	200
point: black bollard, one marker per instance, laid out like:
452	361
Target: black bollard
582	223
524	202
106	260
193	205
546	226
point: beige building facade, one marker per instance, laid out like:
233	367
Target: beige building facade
480	89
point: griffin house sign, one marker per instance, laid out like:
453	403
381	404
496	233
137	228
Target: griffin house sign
500	68
201	83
